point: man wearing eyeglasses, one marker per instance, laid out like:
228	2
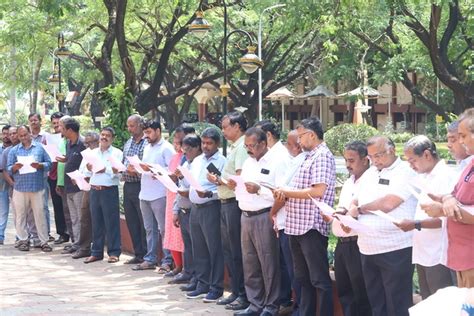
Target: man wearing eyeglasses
386	251
458	207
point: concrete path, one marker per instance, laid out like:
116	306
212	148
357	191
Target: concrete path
35	283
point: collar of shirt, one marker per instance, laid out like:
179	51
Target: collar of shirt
33	144
237	142
313	152
391	167
158	143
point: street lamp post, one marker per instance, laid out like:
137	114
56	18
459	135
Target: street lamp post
250	62
259	40
59	54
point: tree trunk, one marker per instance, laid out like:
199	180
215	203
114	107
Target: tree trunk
34	85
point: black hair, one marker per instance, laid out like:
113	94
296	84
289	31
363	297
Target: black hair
258	132
211	133
236	117
313	124
185	128
34	114
359	147
192	140
109	129
73	124
269	126
152	124
6	127
56	115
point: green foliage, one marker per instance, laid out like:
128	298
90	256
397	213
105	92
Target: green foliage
118	105
400	137
338	136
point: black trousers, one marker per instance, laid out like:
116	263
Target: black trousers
311	266
350	280
133	217
205	223
59	219
188	267
388	277
232	247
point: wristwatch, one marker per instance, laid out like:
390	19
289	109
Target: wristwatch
417	225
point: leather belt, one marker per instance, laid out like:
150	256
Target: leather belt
225	201
254	213
206	204
100	187
347	239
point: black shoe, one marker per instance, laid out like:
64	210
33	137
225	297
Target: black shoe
68	251
51	238
180	279
238	304
188	287
134	260
81	254
246	312
229	299
61	239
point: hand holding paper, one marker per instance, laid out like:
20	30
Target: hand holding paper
26	161
80	180
386	216
117	164
190	178
135	162
92	158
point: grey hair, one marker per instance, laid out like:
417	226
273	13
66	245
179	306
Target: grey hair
64	118
359	147
453	127
93	135
419	144
388	142
468	116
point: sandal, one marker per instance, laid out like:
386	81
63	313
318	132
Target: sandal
46	248
113	259
163	269
144	266
24	246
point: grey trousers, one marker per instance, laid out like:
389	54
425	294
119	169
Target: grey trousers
74	204
85	236
261	261
208	260
431	279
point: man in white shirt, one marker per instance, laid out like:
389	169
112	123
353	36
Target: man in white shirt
350	282
429	254
260	249
386	249
104	201
153	195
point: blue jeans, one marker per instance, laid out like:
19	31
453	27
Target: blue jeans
153	213
104	205
4	208
45	205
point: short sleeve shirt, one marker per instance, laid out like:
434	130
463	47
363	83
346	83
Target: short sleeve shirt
319	167
235	160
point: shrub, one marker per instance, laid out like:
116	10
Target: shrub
338	136
400	138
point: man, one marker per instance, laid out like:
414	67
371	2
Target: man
456	149
316	178
350	283
61	214
458	208
13	136
234	125
205	221
131	188
182	211
29	188
37	135
428	235
386	250
4	199
278	214
260	250
104	201
91	141
153	195
72	162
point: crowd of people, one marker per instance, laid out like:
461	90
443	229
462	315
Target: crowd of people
264	211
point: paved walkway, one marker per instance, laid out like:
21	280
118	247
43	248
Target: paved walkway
37	283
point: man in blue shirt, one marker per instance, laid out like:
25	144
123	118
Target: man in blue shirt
28	190
205	221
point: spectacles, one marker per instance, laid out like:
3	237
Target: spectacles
251	145
301	135
378	155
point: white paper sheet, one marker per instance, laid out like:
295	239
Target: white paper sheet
354	224
386	216
135	162
323	207
54	139
92	158
26	161
80	180
117	164
190	178
162	175
53	151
